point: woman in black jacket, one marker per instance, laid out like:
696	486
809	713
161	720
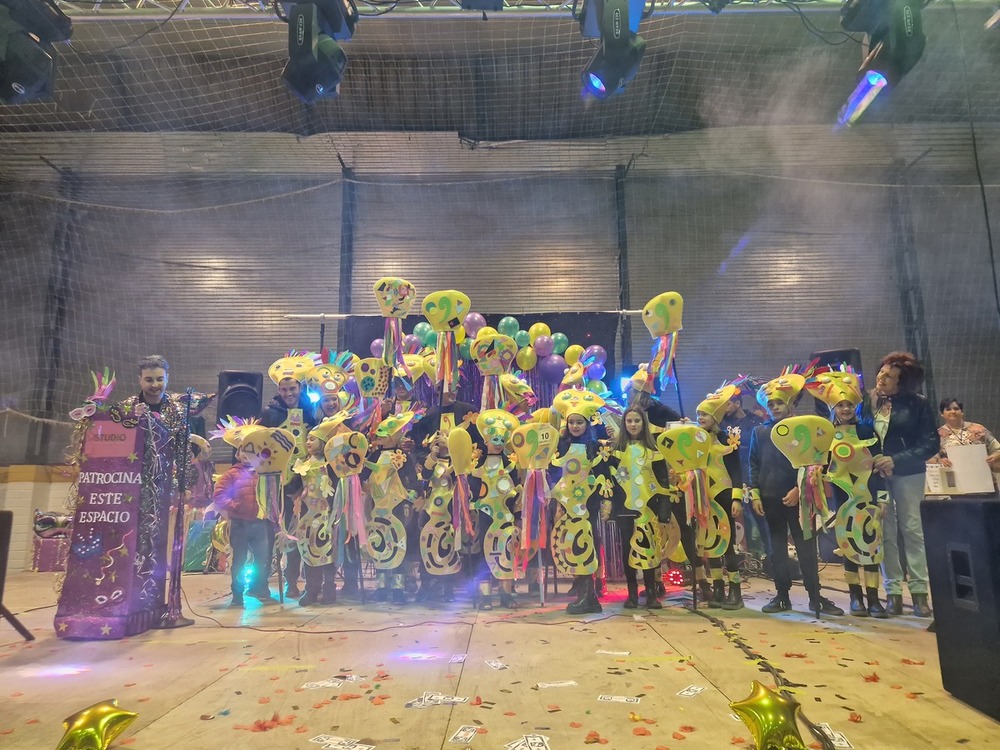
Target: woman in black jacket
907	429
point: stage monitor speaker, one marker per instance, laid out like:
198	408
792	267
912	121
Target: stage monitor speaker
240	394
962	539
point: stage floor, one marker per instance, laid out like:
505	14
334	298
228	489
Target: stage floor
875	682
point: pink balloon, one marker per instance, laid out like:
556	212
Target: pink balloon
473	322
544	346
377	347
552	368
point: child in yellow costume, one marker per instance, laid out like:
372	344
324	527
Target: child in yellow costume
389	486
858	525
498	490
574	547
641	475
315	530
725	490
439	547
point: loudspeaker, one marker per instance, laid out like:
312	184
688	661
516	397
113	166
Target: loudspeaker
240	394
962	539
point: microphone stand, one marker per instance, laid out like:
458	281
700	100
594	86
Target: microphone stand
173	617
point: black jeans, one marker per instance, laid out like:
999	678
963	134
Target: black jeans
782	521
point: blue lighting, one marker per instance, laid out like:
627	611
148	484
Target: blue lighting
875	78
623	384
597	84
313	397
869	87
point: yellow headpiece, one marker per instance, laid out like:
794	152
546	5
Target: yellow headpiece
329	427
641	380
805	440
662	314
269	448
445	310
331	377
394	423
416	364
574	374
785	388
493	353
233	429
534	445
516	389
496	425
544	416
715	403
395	296
372	375
686	447
833	386
294	365
573	401
345	452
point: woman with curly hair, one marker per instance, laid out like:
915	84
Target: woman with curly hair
905	424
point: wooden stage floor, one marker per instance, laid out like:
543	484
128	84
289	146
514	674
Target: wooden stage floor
875	682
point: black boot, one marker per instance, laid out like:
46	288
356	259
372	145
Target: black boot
875	608
895	604
632	600
650	579
587	603
718	595
704	591
921	607
734	599
858	608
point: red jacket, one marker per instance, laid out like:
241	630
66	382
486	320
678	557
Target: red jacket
236	493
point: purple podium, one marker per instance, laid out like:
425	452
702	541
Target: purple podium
117	565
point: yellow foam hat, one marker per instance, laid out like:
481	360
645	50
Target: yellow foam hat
715	403
395	296
641	379
493	353
445	310
372	375
573	401
785	388
686	447
833	386
294	365
328	378
203	445
415	363
805	440
233	429
496	425
269	448
394	423
515	388
330	427
662	314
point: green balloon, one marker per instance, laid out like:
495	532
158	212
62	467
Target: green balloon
508	326
421	329
522	338
430	338
560	342
463	349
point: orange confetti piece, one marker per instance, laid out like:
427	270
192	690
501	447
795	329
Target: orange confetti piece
912	695
127	741
509	713
794	655
914	662
896	687
364	685
553	707
815	746
678	736
482	730
142	700
575	724
687	728
6	731
641	732
302	729
275	678
738	741
661	747
477	701
31	721
648	687
872	663
873	677
265	699
347	696
855	717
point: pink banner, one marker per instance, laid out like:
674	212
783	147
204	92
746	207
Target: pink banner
116	571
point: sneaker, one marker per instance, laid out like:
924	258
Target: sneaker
822	605
778	604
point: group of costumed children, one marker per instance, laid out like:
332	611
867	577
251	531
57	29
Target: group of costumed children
435	494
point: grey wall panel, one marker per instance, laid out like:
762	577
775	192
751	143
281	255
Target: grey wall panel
531	244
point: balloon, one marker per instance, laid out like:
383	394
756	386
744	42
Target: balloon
411	343
526	358
560	343
543	346
431	338
508	326
597	386
421	329
572	354
522	338
486	331
96	726
596	372
595	355
377	347
460	334
351	386
473	322
463	349
770	718
552	368
538	329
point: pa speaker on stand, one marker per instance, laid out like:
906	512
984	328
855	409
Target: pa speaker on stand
240	394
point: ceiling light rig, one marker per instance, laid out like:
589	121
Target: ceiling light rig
616	62
894	43
316	62
28	29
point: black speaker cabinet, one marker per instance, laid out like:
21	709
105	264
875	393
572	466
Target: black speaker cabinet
240	394
6	526
962	538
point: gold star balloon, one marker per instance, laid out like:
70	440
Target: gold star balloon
771	719
95	727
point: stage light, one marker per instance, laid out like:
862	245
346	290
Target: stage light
616	62
313	397
895	44
28	29
316	62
